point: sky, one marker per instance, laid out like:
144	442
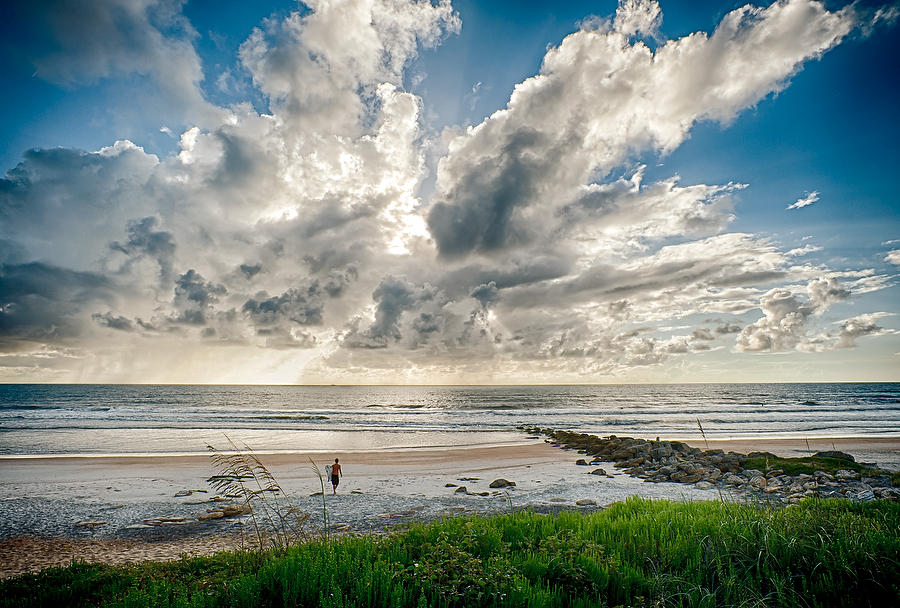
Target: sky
427	192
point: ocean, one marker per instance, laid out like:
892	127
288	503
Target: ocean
179	419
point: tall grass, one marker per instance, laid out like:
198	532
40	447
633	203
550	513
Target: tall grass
240	473
636	553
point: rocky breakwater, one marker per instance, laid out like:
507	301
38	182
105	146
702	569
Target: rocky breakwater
758	474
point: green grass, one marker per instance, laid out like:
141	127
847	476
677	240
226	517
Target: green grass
636	553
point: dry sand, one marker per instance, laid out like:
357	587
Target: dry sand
44	498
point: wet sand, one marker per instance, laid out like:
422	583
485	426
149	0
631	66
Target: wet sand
44	499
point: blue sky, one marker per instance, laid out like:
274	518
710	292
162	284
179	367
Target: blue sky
281	192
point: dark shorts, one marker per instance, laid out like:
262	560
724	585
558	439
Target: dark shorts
335	479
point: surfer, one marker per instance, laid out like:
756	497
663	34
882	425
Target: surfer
336	475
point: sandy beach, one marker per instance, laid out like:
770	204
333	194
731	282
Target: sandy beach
109	508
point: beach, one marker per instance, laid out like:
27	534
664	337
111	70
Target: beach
121	509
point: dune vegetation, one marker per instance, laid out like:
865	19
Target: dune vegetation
636	553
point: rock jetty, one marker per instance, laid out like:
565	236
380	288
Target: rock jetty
676	461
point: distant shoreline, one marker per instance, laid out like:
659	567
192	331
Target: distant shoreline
791	446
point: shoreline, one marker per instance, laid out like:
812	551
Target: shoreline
772	444
46	501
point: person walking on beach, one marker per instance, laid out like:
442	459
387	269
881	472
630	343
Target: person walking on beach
336	475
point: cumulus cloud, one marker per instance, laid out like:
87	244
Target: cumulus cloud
105	39
144	241
806	201
194	298
785	317
857	327
893	257
599	100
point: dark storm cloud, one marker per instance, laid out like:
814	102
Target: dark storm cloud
143	241
43	302
113	322
534	269
194	297
300	306
477	215
250	270
338	280
393	297
486	293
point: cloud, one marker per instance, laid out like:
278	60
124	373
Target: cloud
893	257
857	327
104	39
113	322
312	66
638	17
601	100
143	240
784	324
194	298
40	302
806	201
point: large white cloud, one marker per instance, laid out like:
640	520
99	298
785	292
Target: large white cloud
600	100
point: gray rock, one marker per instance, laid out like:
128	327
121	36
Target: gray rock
733	480
758	482
181	493
598	472
461	490
502	483
585	502
581	462
865	496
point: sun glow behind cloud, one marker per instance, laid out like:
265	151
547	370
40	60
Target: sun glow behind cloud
298	244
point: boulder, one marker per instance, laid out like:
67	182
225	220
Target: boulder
758	482
461	490
704	485
598	472
585	502
502	483
691	478
865	496
211	515
232	510
581	462
449	485
181	493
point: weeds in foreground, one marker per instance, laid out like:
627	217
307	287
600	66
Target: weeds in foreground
321	477
637	553
242	475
